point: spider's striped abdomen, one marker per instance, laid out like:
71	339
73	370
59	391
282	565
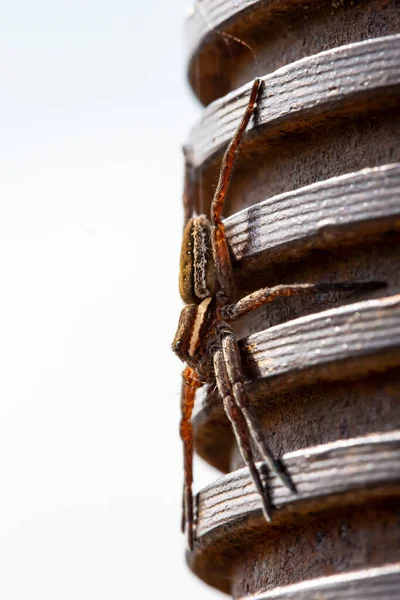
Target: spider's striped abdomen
194	322
197	277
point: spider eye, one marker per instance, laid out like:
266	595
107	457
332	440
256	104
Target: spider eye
177	348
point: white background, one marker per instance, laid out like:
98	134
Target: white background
94	108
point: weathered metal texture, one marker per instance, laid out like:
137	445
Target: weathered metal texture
323	84
314	197
321	117
338	210
369	584
362	473
279	32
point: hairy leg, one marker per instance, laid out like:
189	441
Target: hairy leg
218	239
189	385
240	429
188	199
232	361
269	294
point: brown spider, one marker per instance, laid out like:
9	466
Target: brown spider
205	341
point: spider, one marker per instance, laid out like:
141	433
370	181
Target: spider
205	341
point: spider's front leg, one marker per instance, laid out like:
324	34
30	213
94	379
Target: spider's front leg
190	383
232	361
218	239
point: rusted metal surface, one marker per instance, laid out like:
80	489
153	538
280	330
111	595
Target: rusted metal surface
339	81
279	32
341	475
370	584
314	197
318	473
342	209
326	116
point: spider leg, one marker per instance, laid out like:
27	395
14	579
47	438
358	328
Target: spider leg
190	384
232	361
240	429
253	301
188	200
218	239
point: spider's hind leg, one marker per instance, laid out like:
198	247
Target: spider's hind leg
232	361
240	429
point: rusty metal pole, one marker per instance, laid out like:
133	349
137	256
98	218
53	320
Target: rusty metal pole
315	197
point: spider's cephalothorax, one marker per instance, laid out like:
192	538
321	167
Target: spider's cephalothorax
205	341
